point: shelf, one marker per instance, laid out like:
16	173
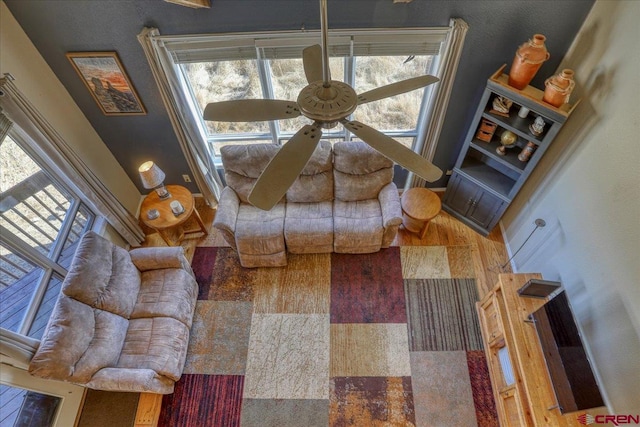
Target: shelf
517	125
488	177
499	82
483	176
510	160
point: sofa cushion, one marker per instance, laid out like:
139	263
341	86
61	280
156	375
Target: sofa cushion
308	227
315	182
102	276
360	172
167	293
260	232
78	341
154	258
158	343
243	164
357	226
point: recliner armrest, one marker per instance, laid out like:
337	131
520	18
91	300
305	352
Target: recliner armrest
390	205
156	258
131	380
227	214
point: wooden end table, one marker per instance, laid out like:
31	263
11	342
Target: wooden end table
168	225
419	206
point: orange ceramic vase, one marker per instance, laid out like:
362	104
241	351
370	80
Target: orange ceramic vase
558	88
527	61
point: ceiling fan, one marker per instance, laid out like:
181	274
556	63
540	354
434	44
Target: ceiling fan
327	102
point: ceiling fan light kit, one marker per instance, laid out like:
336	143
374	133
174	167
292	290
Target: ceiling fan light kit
327	103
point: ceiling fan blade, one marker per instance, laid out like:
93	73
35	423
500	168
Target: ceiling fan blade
251	110
395	151
396	88
312	62
284	168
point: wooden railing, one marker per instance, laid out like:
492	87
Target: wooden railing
34	210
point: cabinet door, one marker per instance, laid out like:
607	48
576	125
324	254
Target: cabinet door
511	403
490	320
460	193
485	207
473	201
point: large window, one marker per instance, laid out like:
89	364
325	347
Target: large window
284	78
217	68
193	70
40	223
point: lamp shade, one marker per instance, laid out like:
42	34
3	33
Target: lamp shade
151	175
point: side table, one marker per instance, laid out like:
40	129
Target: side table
167	224
419	206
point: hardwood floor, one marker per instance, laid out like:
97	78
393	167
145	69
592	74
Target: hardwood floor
468	253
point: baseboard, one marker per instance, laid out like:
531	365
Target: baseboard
507	246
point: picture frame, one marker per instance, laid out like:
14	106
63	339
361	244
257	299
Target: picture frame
105	78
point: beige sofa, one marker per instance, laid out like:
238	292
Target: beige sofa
122	320
344	201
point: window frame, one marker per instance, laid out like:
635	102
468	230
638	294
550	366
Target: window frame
48	263
195	48
158	49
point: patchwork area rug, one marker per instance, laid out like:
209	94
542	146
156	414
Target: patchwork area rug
384	339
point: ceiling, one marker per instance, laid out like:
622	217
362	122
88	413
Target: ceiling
496	29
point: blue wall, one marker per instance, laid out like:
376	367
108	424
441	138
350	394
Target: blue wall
497	28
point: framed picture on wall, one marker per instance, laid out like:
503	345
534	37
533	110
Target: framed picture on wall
106	80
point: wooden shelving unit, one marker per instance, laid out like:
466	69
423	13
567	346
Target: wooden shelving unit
483	183
524	396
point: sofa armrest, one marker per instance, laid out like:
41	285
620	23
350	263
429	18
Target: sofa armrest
226	215
390	205
131	380
157	258
391	213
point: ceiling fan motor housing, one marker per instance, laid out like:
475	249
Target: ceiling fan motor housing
327	105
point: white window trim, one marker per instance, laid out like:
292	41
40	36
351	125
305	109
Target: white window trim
71	395
65	162
439	101
201	47
189	133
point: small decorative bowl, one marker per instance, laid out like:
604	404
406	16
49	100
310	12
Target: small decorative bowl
153	214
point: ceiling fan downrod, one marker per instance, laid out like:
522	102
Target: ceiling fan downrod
326	75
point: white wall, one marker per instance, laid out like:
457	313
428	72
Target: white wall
587	189
35	79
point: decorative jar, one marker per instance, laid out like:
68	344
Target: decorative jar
527	61
527	151
558	88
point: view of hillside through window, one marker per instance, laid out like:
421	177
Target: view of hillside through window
283	79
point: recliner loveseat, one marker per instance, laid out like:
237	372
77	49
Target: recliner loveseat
343	201
122	320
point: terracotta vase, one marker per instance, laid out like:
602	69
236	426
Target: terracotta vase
558	88
527	61
527	151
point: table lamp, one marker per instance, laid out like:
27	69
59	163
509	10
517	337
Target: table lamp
153	177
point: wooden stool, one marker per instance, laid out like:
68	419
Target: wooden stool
419	206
